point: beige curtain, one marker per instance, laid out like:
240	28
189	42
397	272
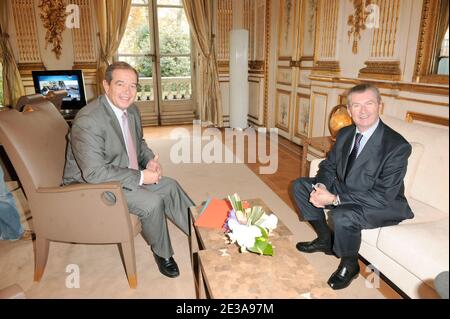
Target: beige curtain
199	14
12	83
112	17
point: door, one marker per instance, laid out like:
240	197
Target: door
157	43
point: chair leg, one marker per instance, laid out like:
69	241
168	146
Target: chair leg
129	259
41	256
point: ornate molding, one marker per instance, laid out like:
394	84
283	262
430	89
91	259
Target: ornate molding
26	68
382	70
84	66
411	116
357	21
53	15
256	65
393	85
326	67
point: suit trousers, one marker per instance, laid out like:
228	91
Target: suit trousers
347	220
152	204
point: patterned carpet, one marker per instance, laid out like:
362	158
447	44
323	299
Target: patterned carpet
101	272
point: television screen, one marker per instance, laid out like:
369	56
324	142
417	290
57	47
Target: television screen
69	80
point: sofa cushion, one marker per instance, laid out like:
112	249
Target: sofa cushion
423	213
413	164
370	236
431	183
421	248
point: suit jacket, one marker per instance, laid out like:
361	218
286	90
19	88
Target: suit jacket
375	181
96	150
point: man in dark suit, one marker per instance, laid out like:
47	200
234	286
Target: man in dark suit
361	182
106	144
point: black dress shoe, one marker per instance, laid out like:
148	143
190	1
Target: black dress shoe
343	276
167	266
314	246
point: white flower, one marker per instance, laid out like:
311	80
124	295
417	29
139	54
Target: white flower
243	234
268	221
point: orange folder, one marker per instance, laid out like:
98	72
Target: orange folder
214	214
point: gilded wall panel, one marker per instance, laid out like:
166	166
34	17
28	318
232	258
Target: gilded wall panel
282	110
260	29
83	36
302	115
327	14
284	75
224	25
26	31
318	114
249	24
386	14
286	29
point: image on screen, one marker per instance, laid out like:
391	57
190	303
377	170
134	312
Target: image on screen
70	83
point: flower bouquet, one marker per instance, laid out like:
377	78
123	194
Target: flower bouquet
250	227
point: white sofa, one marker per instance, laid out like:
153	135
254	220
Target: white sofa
414	252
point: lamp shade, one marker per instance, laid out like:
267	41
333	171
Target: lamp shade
238	78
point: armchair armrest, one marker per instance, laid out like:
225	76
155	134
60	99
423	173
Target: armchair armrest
90	213
314	166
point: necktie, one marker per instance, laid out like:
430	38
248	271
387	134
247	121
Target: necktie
131	150
352	156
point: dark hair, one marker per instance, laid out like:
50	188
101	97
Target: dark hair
119	65
361	88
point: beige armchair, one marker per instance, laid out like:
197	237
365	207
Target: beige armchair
35	142
27	100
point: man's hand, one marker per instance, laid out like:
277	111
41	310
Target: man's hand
153	165
151	177
320	197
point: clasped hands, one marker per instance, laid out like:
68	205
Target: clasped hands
320	196
153	171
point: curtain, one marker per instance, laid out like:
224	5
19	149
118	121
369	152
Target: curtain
199	15
112	17
12	83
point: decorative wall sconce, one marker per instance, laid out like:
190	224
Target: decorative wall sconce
53	15
357	22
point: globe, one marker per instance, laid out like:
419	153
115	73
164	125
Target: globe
339	118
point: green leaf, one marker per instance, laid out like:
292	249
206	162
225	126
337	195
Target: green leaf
262	247
264	232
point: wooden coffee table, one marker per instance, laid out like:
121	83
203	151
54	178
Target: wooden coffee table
222	271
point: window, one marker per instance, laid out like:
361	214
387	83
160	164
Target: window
442	65
157	43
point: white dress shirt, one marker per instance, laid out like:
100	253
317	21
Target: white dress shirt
118	112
